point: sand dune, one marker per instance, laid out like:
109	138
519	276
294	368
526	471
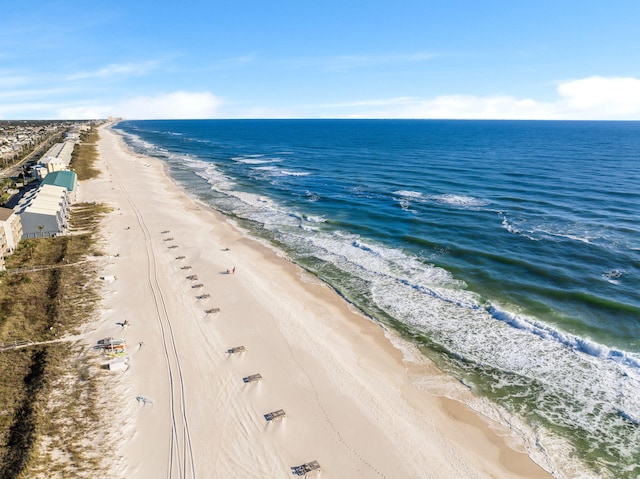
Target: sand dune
349	400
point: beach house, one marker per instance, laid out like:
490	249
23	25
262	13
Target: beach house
65	179
11	227
58	157
10	233
44	212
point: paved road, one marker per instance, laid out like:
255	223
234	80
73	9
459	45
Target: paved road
16	169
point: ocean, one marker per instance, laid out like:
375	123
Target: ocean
507	251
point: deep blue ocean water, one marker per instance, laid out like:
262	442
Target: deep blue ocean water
509	251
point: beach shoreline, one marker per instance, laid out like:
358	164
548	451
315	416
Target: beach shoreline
347	392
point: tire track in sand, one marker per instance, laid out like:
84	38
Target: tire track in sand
180	463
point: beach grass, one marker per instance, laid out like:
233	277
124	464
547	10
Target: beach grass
49	392
85	155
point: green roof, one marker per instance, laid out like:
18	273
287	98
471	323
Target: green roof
66	179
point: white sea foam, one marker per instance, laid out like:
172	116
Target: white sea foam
406	206
593	371
613	276
314	219
460	200
255	160
537	226
390	270
265	168
506	224
409	194
583	381
569	236
138	143
210	173
406	197
275	171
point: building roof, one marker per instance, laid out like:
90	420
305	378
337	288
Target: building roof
50	202
41	210
51	190
5	213
59	153
67	179
43	190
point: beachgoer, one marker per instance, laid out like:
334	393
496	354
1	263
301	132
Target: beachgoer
233	270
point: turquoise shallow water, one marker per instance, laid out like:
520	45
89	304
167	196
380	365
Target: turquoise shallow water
510	251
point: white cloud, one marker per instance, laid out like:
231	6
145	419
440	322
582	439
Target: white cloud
176	105
11	96
86	112
28	110
116	70
593	98
466	107
609	98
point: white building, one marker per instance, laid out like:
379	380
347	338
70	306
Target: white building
58	157
44	212
12	227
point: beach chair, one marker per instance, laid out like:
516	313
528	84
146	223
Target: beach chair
252	378
203	296
192	277
105	341
168	239
304	469
199	285
185	267
180	257
173	246
273	415
113	346
237	349
212	310
164	232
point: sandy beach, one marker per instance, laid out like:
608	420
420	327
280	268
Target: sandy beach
191	286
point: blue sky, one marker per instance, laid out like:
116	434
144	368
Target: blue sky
561	59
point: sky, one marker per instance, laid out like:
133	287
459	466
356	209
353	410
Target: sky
472	59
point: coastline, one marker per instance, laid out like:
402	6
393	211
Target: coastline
347	392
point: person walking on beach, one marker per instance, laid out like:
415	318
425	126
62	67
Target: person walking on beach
233	270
